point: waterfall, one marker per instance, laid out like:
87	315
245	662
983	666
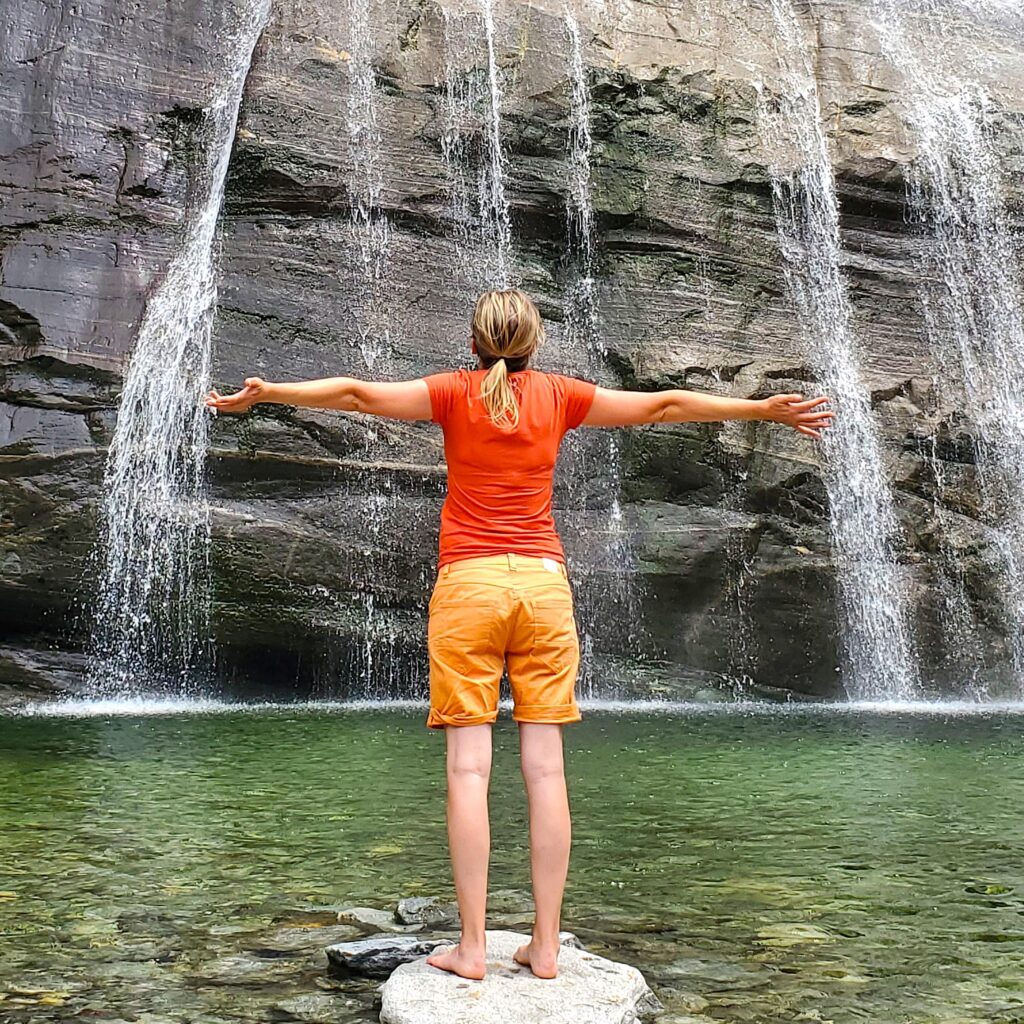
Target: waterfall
493	201
473	153
150	622
581	303
879	657
970	288
458	102
608	594
369	223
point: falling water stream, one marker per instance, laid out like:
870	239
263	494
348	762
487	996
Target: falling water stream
151	627
369	223
473	151
581	302
609	601
493	200
151	615
879	657
970	285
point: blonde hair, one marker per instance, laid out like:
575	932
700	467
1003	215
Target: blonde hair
507	330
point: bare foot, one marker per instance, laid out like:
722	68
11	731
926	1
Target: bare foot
541	958
460	962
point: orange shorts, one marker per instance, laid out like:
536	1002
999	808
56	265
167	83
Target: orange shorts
496	612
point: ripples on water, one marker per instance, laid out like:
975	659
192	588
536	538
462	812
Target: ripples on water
768	865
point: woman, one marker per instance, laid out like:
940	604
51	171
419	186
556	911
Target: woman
502	599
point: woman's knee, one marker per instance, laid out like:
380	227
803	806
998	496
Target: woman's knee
467	767
469	753
540	753
543	764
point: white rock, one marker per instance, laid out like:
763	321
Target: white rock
588	990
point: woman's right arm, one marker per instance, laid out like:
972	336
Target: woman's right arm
399	400
612	408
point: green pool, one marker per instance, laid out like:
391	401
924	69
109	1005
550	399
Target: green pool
757	864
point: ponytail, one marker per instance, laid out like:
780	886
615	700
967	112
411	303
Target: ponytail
507	328
498	397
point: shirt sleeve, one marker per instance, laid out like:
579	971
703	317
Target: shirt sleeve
578	397
441	387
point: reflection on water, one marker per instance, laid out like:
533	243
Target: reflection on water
757	866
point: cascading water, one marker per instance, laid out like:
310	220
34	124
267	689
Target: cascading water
879	658
970	285
150	622
581	302
369	224
473	153
493	201
459	101
608	594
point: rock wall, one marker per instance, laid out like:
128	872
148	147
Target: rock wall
324	525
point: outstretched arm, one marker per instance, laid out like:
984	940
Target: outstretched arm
629	408
401	400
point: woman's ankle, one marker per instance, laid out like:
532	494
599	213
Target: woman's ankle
473	942
545	938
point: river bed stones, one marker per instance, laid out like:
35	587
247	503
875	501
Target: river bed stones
588	990
429	910
376	919
294	941
378	955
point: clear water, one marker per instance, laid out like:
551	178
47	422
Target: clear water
879	651
758	864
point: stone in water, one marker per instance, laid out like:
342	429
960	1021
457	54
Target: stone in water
426	910
588	990
379	955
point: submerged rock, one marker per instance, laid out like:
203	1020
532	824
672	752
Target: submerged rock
426	910
320	1008
303	940
241	969
792	933
379	955
588	990
372	917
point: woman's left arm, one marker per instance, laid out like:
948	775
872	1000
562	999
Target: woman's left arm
399	400
613	408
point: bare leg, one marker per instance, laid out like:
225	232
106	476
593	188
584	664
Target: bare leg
540	748
469	840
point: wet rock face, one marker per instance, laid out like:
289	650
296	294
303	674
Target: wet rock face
324	525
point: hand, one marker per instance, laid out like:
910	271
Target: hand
255	390
804	415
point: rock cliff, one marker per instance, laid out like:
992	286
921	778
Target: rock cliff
324	526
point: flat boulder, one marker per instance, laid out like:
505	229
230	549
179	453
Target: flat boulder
589	989
378	955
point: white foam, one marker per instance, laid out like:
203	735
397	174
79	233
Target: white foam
162	706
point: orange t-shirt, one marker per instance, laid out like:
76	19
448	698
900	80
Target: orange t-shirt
499	478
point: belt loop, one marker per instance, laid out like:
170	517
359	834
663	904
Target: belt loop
446	569
511	561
